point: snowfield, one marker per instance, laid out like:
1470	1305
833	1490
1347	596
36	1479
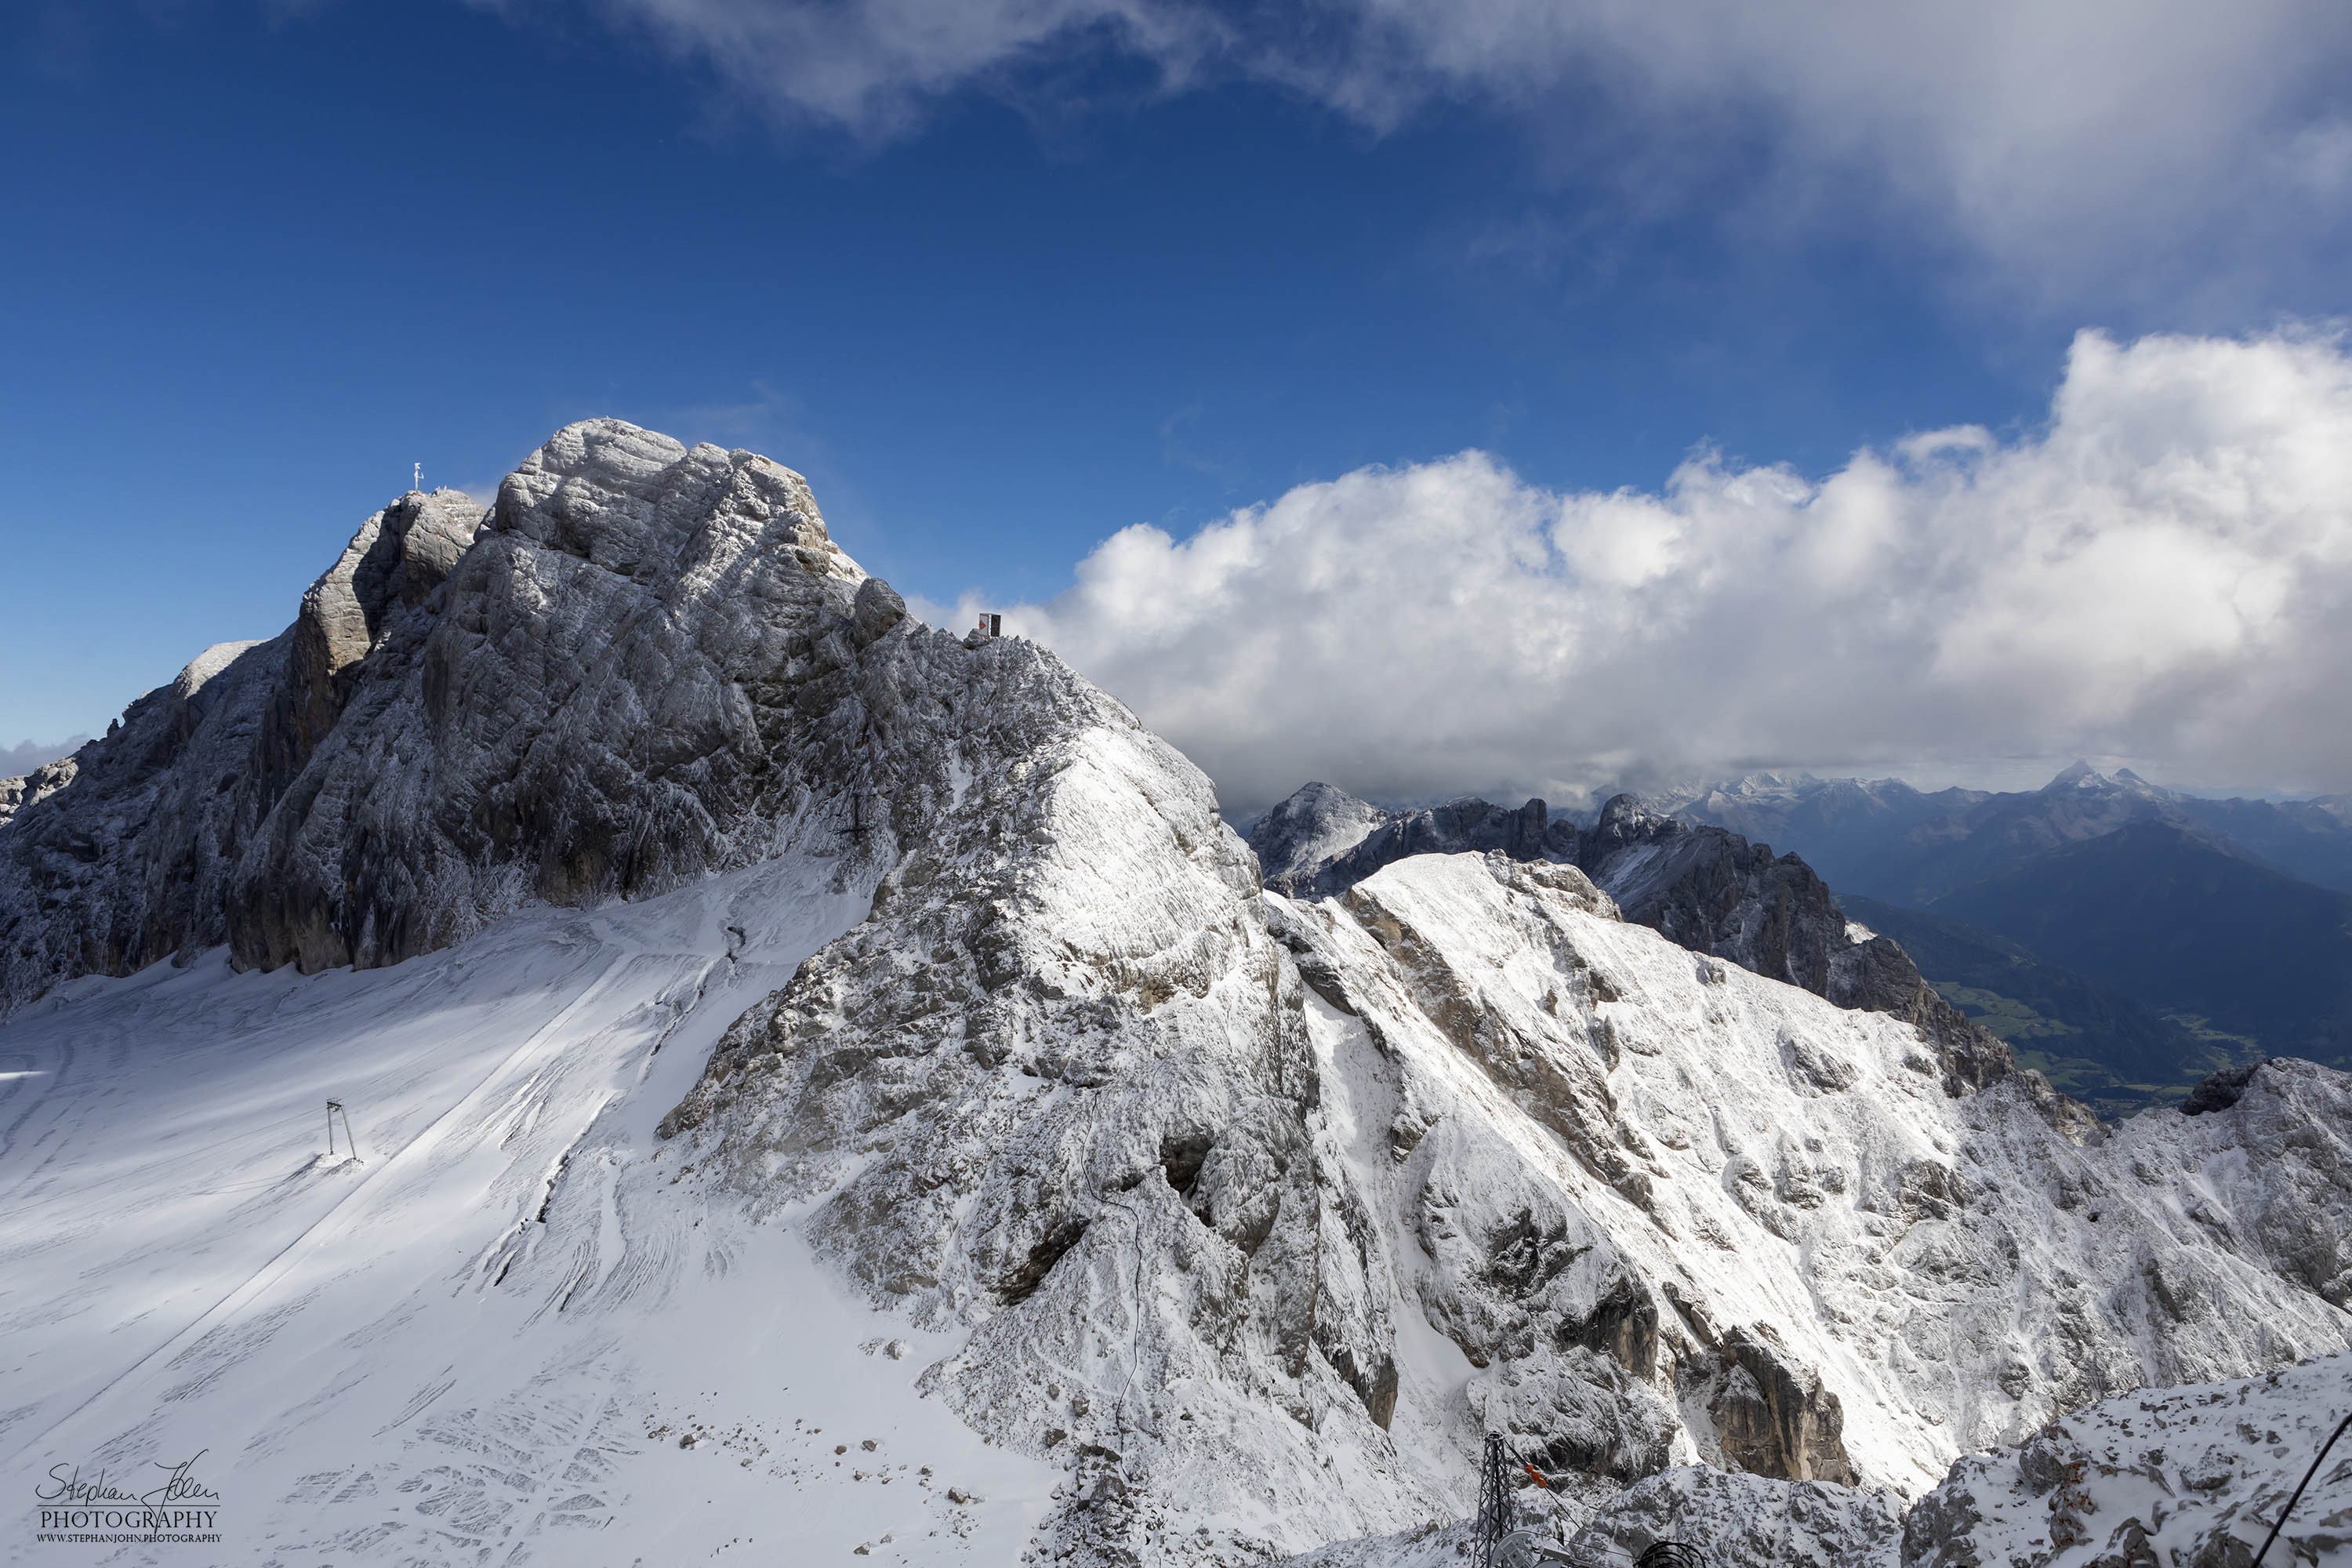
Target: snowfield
487	1338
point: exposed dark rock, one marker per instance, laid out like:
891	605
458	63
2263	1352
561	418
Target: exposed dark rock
1376	1385
1296	840
1323	841
2222	1091
1772	1417
1712	891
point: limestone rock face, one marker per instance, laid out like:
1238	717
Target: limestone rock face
1772	1419
395	562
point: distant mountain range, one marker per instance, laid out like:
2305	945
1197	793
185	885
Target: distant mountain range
25	756
2131	934
1882	838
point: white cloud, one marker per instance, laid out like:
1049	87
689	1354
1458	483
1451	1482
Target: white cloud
2080	144
871	67
2164	573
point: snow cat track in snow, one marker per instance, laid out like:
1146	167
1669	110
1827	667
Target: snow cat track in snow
340	1215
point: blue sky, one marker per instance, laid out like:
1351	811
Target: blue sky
1139	265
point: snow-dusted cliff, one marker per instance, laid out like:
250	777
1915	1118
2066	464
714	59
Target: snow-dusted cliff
1596	1148
947	1036
641	665
1705	887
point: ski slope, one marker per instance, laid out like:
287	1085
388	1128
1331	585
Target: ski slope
511	1329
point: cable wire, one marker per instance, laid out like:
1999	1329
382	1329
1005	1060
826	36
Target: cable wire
2298	1490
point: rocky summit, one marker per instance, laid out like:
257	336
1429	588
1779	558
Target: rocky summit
828	1085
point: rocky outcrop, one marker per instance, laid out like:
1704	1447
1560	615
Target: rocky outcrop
1877	975
1711	891
21	791
2221	1091
393	564
2195	1475
1322	840
1734	1520
1772	1417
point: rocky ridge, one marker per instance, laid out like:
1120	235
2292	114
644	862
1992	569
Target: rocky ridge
1703	887
1773	1214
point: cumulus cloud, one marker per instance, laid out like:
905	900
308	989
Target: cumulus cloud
2163	572
2076	141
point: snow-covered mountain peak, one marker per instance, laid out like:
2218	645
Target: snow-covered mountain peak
734	980
1316	823
621	497
637	668
205	664
2082	778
